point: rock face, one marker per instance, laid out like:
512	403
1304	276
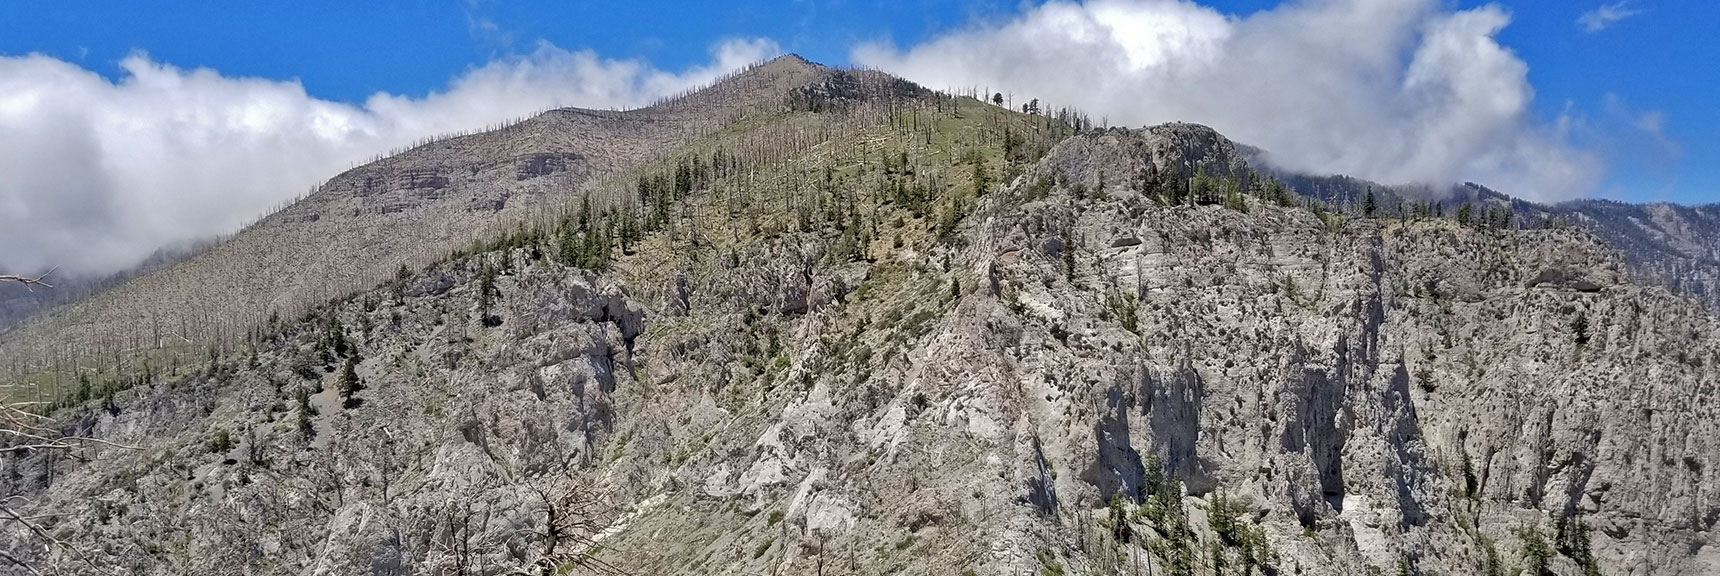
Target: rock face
1670	245
1665	244
1071	376
1431	383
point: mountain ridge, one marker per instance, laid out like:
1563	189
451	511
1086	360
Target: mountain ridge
1685	261
1674	245
407	209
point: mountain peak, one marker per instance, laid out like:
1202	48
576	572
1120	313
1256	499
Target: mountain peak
794	59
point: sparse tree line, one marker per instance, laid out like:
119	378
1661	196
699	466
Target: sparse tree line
838	172
354	464
1151	532
834	170
191	334
1201	188
849	185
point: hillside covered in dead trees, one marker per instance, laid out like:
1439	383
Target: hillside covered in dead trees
821	321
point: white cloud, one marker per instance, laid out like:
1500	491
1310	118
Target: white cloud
97	174
1392	90
1605	16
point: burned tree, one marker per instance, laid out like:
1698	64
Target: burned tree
25	430
28	281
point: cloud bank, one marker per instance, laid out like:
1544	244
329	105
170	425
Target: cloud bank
1398	91
96	174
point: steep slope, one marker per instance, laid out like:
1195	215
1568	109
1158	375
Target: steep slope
20	303
409	209
908	335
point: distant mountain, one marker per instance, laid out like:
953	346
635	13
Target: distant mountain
1667	244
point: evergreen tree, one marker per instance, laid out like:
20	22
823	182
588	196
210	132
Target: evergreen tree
401	276
568	245
1536	551
303	399
348	383
487	294
1175	192
1580	327
584	213
1120	529
629	231
981	180
683	180
334	343
1233	197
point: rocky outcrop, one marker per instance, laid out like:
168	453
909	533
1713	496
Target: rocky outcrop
1245	387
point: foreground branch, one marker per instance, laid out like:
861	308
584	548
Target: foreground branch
28	281
23	431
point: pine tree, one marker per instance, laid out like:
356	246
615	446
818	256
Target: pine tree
334	343
401	276
567	246
1121	531
1536	551
487	294
981	180
303	399
1580	327
1368	206
348	383
629	231
584	212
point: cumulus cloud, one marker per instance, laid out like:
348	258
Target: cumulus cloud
1400	91
1605	16
96	174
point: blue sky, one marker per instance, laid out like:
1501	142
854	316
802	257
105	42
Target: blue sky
1661	58
348	50
1546	100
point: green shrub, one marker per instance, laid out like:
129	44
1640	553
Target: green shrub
220	442
762	548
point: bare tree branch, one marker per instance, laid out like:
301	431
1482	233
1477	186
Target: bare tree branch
19	423
29	281
16	561
53	542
